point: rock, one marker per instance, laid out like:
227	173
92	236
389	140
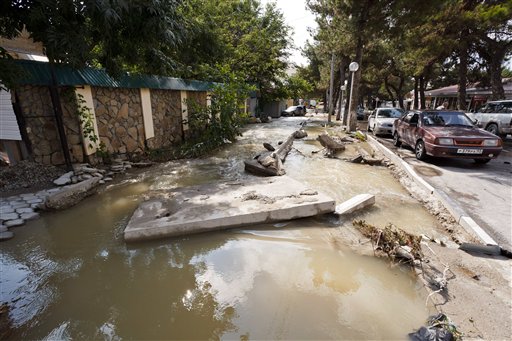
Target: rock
299	134
6	235
29	215
71	195
107	178
74	179
10	216
3	228
86	176
35	201
98	175
102	182
24	210
64	179
15	222
268	147
142	164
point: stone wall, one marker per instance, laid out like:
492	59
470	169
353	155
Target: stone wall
119	118
37	109
167	122
118	115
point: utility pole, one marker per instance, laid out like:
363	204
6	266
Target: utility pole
331	88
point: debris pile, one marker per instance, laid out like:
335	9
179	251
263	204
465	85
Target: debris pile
392	241
439	328
270	162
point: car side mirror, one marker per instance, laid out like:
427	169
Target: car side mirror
475	122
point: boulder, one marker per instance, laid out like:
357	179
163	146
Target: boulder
71	195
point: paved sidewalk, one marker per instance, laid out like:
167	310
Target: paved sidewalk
478	196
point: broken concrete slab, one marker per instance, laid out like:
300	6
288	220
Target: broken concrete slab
221	206
71	195
356	203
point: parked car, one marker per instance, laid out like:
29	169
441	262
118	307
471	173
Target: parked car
381	120
360	113
495	117
294	110
449	134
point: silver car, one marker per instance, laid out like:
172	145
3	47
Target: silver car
495	117
380	122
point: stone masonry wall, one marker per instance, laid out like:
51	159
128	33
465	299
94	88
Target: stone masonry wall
166	108
37	109
119	118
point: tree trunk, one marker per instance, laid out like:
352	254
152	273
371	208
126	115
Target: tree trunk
342	83
495	72
463	71
422	92
416	84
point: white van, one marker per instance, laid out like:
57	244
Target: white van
495	117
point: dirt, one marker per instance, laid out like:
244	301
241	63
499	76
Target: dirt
27	176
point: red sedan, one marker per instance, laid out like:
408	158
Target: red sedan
445	134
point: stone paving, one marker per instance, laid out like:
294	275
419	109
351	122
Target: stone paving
16	210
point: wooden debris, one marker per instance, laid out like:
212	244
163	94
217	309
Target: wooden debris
270	163
392	241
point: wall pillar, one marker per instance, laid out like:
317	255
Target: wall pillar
90	147
147	113
184	111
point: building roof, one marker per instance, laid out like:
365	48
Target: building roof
472	89
38	73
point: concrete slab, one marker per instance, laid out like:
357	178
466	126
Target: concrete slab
224	205
356	203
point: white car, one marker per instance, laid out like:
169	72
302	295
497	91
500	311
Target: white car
380	122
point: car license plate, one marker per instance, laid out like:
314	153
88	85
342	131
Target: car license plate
469	151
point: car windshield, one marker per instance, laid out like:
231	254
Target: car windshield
444	119
390	113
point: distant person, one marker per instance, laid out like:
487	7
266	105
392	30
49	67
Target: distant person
443	106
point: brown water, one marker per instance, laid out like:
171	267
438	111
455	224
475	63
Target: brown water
69	275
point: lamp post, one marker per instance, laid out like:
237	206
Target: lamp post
353	67
343	87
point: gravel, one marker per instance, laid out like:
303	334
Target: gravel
25	175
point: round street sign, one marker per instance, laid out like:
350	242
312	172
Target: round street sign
353	67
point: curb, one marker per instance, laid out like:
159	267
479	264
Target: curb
451	206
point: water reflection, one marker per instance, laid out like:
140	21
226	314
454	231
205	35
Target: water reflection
70	275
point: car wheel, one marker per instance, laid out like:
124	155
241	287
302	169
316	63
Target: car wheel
492	128
396	140
421	153
482	161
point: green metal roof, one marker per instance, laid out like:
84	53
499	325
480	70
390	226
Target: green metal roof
38	73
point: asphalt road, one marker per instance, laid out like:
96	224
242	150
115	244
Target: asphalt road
484	192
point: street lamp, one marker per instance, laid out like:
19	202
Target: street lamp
353	67
342	107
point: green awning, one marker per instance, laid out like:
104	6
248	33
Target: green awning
38	73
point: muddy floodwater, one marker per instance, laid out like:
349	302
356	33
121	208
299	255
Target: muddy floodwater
70	275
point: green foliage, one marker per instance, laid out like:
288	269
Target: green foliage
220	123
85	116
237	34
118	35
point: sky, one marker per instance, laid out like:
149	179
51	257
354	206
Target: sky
299	18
